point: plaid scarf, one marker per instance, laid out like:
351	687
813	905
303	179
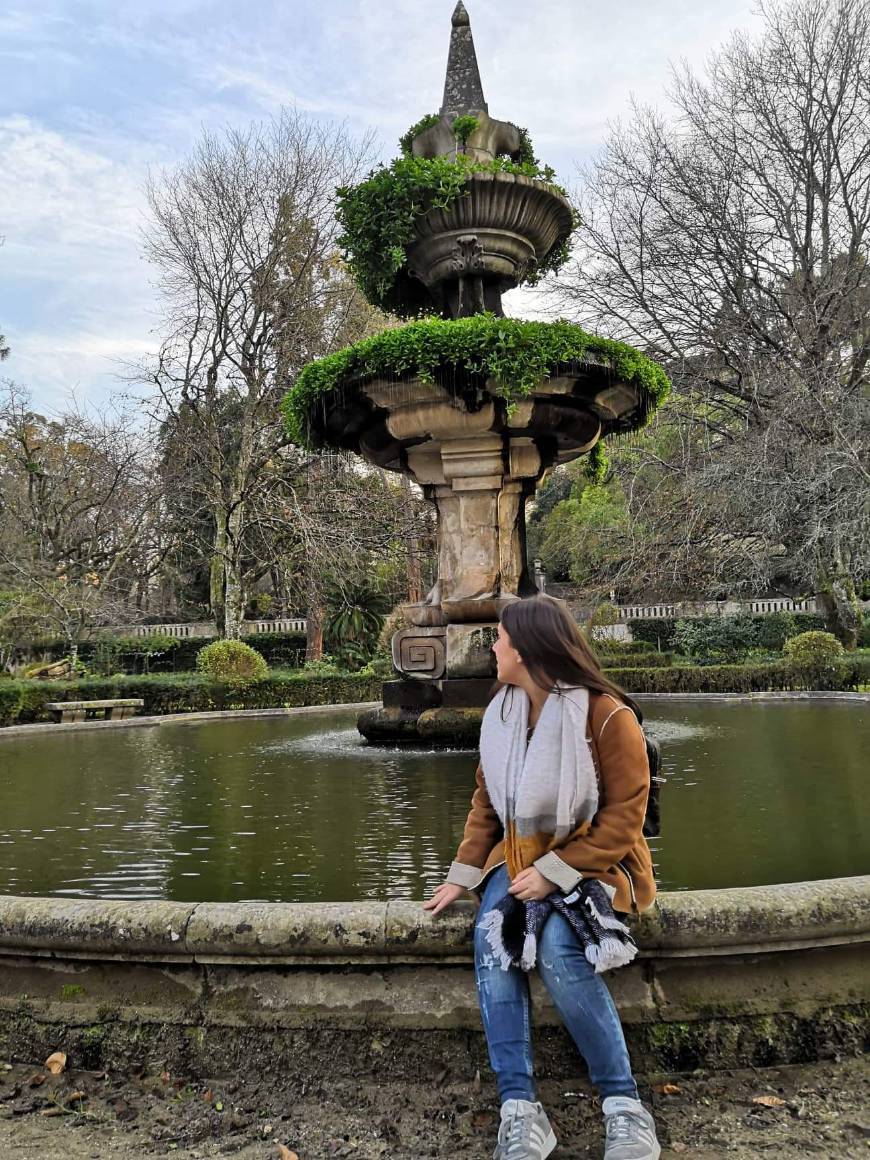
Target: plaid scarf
513	927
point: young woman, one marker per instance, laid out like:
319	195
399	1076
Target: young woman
553	846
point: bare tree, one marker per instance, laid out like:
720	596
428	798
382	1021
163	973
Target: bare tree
732	241
243	238
77	505
4	349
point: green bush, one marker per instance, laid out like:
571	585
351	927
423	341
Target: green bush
864	632
656	631
605	614
10	701
813	651
727	638
231	660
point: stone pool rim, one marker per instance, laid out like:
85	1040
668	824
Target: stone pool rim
751	975
235	714
746	920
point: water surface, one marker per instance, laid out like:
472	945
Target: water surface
301	809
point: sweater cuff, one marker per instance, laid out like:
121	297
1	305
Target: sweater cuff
557	871
462	875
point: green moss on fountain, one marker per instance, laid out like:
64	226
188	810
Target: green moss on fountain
518	355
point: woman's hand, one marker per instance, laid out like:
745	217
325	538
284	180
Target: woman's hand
445	895
531	884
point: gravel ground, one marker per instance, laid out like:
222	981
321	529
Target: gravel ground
785	1113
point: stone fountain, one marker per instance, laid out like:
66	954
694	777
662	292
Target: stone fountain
476	457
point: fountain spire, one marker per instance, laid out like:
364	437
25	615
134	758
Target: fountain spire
463	91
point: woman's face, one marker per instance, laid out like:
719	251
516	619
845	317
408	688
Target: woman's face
510	667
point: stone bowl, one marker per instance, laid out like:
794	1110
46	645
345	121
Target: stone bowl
498	233
391	422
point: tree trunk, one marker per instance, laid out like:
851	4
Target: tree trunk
313	621
840	601
217	572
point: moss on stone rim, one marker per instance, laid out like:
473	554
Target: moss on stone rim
516	353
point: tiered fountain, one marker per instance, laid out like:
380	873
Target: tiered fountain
476	408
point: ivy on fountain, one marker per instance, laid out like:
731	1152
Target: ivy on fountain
378	216
518	355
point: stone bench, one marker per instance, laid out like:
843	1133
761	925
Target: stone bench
108	710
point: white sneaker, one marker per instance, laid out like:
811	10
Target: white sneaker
525	1132
630	1130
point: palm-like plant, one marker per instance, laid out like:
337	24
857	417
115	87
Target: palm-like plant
355	614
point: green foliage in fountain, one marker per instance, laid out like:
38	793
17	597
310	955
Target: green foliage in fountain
378	217
518	355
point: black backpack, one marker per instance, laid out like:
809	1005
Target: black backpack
652	822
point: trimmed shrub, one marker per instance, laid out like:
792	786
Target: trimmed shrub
777	677
644	660
231	660
808	651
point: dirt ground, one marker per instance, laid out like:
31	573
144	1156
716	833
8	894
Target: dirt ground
785	1113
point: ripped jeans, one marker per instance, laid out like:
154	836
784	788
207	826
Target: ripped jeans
579	995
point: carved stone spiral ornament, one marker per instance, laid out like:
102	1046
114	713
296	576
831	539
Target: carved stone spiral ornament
420	653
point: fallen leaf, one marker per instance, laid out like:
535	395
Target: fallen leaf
207	1096
678	1147
36	1080
667	1089
54	1110
56	1062
285	1153
76	1097
165	1076
769	1101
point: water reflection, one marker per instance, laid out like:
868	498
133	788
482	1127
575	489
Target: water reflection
300	808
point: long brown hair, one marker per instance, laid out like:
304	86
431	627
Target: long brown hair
553	648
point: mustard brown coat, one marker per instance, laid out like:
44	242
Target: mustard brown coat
613	849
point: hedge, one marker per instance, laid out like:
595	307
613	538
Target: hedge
621	647
643	660
280	650
776	677
24	701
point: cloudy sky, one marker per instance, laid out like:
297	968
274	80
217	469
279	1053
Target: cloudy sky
94	93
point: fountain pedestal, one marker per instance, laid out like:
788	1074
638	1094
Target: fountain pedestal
478	461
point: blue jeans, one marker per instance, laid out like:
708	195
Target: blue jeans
579	995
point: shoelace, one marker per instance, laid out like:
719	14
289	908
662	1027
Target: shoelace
519	1137
623	1128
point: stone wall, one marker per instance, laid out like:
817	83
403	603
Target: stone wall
755	975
